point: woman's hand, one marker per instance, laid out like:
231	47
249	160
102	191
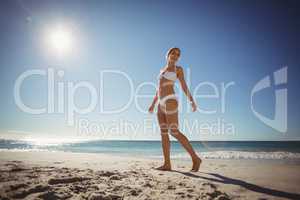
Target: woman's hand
194	106
151	108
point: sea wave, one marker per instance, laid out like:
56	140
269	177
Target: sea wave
25	150
277	155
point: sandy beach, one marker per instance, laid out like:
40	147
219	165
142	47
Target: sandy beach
62	175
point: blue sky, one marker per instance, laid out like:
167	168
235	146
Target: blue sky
221	42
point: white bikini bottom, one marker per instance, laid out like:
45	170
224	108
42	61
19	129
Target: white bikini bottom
162	103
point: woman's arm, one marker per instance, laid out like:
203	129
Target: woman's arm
185	87
152	106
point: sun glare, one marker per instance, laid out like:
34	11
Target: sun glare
60	40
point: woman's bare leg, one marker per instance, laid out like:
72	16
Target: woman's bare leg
164	139
188	147
166	151
172	119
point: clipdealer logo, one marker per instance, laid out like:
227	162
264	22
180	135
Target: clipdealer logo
279	122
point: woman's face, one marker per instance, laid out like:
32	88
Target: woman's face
174	56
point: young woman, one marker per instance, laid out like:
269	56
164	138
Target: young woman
167	112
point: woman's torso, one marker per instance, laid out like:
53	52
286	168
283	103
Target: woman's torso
166	82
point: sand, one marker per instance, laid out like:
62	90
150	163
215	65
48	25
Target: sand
62	175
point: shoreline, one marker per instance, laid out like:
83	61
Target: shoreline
274	156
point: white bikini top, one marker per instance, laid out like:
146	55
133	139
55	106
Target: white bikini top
172	76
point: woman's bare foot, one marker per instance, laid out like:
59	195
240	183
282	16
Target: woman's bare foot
196	164
164	167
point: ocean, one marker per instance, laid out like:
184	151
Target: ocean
273	150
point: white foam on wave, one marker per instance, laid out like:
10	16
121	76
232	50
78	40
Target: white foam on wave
25	150
48	141
276	155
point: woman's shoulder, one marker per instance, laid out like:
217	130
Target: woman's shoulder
162	69
179	69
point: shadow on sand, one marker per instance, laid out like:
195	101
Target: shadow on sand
256	188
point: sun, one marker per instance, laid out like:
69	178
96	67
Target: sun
60	40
